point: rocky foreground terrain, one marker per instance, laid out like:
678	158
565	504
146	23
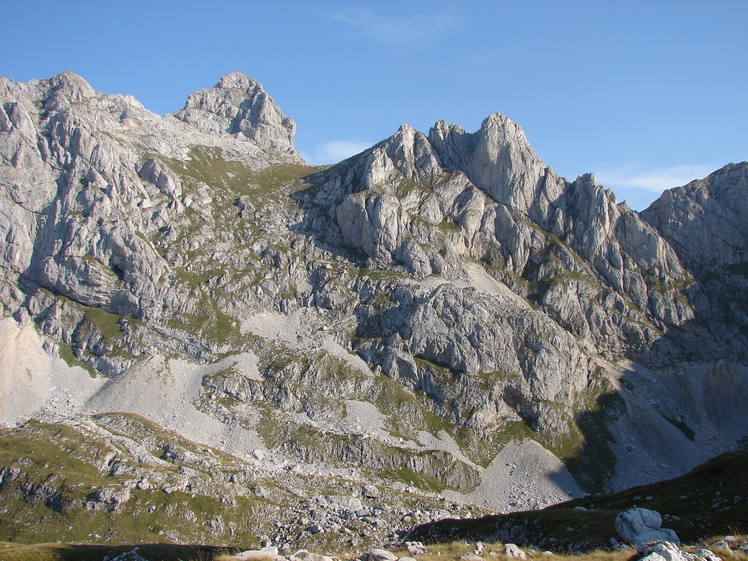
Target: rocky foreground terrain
204	334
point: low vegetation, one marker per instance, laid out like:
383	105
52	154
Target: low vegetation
710	500
175	552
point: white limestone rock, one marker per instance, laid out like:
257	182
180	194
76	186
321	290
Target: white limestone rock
239	106
512	551
642	527
705	221
378	555
666	551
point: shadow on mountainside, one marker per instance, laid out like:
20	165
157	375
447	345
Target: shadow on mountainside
680	402
708	501
677	402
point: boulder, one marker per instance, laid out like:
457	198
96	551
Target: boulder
304	555
378	555
112	495
370	492
512	551
706	555
723	546
415	548
264	554
666	551
642	527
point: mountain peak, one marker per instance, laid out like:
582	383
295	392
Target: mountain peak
70	85
237	80
238	106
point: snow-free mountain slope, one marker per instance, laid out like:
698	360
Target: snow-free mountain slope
408	318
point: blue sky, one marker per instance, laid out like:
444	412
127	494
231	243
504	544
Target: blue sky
646	95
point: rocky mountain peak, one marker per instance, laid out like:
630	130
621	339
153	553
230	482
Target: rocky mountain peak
72	85
63	89
442	302
239	106
497	158
705	220
237	80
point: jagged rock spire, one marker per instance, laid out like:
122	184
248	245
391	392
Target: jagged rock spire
238	106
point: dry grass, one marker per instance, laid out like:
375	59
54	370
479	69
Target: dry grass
256	557
622	555
455	550
434	552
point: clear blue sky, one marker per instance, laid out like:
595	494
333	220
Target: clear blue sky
645	94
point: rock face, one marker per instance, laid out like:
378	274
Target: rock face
427	203
238	106
704	221
397	318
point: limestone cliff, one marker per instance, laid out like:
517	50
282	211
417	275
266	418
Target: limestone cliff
410	316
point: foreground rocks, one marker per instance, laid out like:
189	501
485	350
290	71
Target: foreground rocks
641	527
660	551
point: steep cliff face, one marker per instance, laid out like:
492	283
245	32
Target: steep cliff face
429	203
93	183
412	316
704	221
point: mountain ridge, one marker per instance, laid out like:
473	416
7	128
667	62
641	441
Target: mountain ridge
404	317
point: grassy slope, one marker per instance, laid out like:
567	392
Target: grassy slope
710	500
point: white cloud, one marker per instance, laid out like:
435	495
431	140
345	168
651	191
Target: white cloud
404	32
653	179
335	151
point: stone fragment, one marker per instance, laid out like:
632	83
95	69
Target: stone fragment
706	555
378	555
666	551
512	551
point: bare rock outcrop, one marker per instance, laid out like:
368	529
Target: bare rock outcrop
404	314
705	221
239	106
426	203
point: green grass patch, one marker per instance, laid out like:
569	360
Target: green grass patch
409	477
